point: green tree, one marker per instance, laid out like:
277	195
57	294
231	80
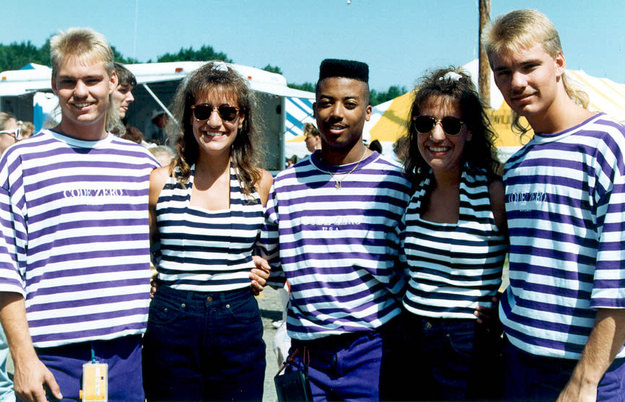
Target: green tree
273	69
16	55
205	53
377	97
307	86
121	59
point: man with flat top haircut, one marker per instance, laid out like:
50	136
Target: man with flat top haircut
332	231
74	250
564	311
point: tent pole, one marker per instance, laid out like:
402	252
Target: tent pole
157	100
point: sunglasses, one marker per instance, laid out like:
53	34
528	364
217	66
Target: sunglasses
15	133
424	124
203	112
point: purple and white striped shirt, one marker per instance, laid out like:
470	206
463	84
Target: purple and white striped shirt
74	217
338	248
565	205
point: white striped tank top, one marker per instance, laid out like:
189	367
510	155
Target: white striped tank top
454	266
203	250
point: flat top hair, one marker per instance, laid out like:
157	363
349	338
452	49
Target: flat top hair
356	70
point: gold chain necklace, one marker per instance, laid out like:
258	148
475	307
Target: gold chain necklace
337	181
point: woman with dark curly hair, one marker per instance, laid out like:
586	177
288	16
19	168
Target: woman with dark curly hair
454	240
204	337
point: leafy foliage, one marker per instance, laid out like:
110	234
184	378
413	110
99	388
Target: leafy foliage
16	55
307	86
205	53
378	97
273	69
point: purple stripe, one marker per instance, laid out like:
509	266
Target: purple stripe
570	255
88	302
109	270
551	290
67	336
131	237
89	208
123	223
85	255
330	256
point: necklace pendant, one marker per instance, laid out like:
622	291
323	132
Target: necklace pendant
337	185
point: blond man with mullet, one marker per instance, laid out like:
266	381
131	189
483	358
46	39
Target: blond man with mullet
74	250
564	311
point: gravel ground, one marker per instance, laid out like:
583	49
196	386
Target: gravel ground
271	310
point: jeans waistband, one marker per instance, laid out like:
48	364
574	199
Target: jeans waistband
191	297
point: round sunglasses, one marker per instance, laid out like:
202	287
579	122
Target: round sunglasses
424	124
203	111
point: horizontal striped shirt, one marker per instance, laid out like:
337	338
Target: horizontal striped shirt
454	267
565	204
338	247
202	250
74	217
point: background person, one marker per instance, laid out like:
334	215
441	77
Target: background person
564	311
122	96
27	129
9	131
312	137
163	154
454	240
205	337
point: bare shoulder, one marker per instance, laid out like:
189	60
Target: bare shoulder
158	178
264	185
497	192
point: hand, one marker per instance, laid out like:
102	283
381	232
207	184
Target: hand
31	379
487	315
153	286
259	274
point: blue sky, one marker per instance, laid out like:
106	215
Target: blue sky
400	39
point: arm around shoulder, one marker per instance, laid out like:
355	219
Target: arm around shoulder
497	194
158	178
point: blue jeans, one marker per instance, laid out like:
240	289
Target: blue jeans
204	346
536	378
450	359
123	356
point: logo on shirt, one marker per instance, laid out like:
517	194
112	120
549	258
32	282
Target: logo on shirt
527	200
94	193
327	223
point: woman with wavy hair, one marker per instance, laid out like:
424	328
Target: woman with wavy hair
454	240
204	337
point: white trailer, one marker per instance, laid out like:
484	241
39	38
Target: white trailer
27	94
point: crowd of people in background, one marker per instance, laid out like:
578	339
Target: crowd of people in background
131	261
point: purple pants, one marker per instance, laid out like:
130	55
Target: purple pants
536	378
123	356
343	367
